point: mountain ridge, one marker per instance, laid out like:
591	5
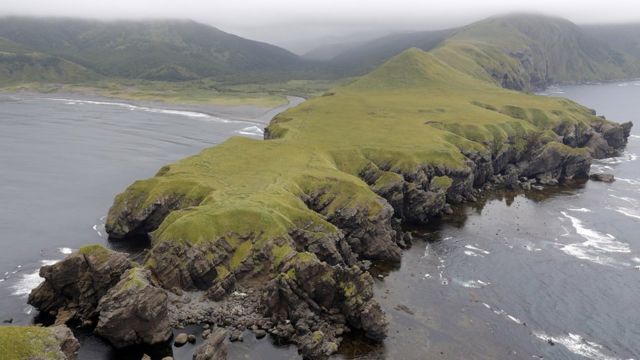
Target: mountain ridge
520	51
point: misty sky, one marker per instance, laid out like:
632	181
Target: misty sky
302	24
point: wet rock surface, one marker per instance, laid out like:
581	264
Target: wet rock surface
607	178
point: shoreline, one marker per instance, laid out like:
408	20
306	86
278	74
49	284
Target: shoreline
245	113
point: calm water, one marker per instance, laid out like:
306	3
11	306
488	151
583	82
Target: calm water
504	279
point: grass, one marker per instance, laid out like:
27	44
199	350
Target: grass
28	342
415	110
95	250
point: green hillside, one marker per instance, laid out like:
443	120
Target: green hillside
360	59
19	65
532	52
158	50
520	51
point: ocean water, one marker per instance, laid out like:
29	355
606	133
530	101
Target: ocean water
551	274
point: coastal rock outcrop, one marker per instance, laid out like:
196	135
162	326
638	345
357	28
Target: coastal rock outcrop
134	311
73	287
99	287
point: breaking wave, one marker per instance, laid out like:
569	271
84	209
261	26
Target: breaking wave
597	245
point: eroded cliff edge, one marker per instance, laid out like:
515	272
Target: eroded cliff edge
287	226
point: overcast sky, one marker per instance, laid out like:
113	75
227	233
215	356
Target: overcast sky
295	24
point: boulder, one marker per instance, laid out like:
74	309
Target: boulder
603	177
73	287
213	348
181	339
134	311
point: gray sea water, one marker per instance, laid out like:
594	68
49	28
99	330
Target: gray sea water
551	274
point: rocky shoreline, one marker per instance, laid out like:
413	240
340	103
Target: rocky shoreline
311	298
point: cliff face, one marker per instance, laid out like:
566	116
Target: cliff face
296	218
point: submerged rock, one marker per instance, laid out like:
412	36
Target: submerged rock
607	178
73	287
134	311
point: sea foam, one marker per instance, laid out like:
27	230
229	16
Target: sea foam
577	345
30	281
190	114
597	244
251	130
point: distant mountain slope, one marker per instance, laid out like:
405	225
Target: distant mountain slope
624	37
524	52
19	65
531	51
158	50
362	58
519	51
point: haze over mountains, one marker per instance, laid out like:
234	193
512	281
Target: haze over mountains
519	51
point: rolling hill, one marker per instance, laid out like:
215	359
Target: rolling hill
156	50
19	65
519	51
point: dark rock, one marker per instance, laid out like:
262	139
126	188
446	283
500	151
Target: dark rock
214	348
8	321
181	339
558	162
191	339
75	285
134	311
608	178
235	335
